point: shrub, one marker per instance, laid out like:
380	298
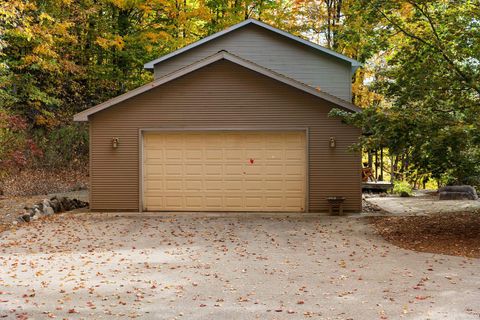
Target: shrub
63	146
402	188
16	149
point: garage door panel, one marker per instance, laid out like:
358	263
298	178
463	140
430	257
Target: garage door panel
293	186
154	154
154	187
195	202
232	185
155	201
294	154
253	171
224	171
212	202
274	170
173	154
193	154
293	170
193	169
255	152
212	185
273	203
273	185
174	201
173	169
294	201
274	155
253	202
153	169
293	140
173	185
153	141
233	154
193	185
253	185
213	169
233	170
213	154
233	202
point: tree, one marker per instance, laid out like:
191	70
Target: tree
429	78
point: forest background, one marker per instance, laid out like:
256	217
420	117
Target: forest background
419	87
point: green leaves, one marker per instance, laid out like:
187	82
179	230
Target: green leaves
431	86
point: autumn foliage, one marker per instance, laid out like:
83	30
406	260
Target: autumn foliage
419	85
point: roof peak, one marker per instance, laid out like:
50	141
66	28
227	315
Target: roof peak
354	63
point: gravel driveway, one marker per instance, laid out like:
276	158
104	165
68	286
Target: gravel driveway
107	266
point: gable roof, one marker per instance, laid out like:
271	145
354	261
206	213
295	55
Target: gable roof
354	63
83	116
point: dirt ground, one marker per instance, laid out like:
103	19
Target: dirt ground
449	233
424	223
124	266
27	182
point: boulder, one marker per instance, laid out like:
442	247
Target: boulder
82	204
38	206
66	203
30	212
55	204
48	210
46	203
26	217
79	203
457	193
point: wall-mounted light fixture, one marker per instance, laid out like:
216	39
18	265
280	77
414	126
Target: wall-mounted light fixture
332	142
114	143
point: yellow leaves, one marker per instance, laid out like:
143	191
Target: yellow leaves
406	9
30	59
65	2
44	16
126	4
45	50
46	121
115	42
155	36
62	30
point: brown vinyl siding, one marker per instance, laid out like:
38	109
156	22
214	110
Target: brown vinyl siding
275	52
222	95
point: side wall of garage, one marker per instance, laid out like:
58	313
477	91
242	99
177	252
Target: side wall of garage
221	95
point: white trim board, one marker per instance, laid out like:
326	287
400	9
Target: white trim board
354	63
83	116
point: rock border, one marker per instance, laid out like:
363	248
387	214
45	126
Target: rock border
48	207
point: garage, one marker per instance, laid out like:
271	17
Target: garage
224	171
222	135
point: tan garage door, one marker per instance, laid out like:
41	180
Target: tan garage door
224	171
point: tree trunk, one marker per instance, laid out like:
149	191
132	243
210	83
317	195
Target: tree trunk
381	164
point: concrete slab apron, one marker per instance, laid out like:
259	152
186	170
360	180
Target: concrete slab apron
96	266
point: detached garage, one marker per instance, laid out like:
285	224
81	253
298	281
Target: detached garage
223	134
